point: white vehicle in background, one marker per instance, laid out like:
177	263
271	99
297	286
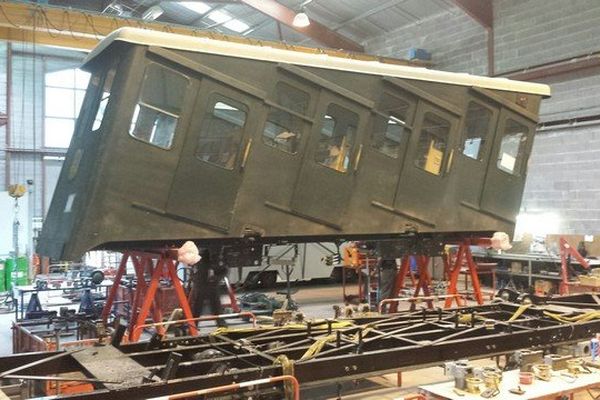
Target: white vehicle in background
305	261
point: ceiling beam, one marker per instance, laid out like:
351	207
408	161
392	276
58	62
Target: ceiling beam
316	31
76	29
480	10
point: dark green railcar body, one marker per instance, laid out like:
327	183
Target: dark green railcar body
184	138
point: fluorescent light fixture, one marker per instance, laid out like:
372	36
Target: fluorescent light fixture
236	25
152	13
218	16
301	20
196	6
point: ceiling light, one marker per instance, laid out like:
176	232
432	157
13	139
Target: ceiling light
301	20
152	13
196	6
218	16
236	25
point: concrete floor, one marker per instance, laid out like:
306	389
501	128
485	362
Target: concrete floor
316	301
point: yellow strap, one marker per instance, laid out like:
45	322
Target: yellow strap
519	311
585	317
317	346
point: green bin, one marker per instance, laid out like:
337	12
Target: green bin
9	266
16	275
2	277
21	275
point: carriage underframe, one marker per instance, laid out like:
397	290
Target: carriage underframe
357	348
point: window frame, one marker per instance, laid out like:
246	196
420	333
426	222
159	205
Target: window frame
188	78
320	134
406	125
98	98
213	98
444	161
485	150
306	121
520	160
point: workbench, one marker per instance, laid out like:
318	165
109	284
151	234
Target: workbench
540	390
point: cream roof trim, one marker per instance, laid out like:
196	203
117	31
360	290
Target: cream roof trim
267	53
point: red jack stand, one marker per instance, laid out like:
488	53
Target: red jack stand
567	250
463	255
423	283
156	264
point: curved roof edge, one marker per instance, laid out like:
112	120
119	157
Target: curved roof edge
268	53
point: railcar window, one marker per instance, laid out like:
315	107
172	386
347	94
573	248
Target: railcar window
157	111
477	127
512	147
221	133
388	133
338	132
283	130
106	88
432	143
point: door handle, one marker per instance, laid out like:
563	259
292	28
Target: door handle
357	158
246	153
450	161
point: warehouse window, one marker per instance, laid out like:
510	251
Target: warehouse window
512	147
64	93
389	132
477	127
338	131
157	111
104	96
221	132
432	144
283	129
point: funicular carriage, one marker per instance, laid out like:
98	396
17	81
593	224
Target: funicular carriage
184	137
225	142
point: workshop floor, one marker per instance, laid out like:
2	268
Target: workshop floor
316	301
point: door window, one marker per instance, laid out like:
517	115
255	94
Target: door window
477	127
157	111
283	129
388	133
338	132
221	132
106	88
512	147
431	147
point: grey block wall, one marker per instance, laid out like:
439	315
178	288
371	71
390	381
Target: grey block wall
564	177
533	32
564	172
456	41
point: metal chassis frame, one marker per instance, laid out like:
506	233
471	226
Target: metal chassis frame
367	346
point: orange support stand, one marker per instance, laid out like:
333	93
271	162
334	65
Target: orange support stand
423	283
567	250
464	256
160	264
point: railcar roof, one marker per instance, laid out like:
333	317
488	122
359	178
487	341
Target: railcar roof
268	53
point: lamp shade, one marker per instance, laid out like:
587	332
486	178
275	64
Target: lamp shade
301	20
